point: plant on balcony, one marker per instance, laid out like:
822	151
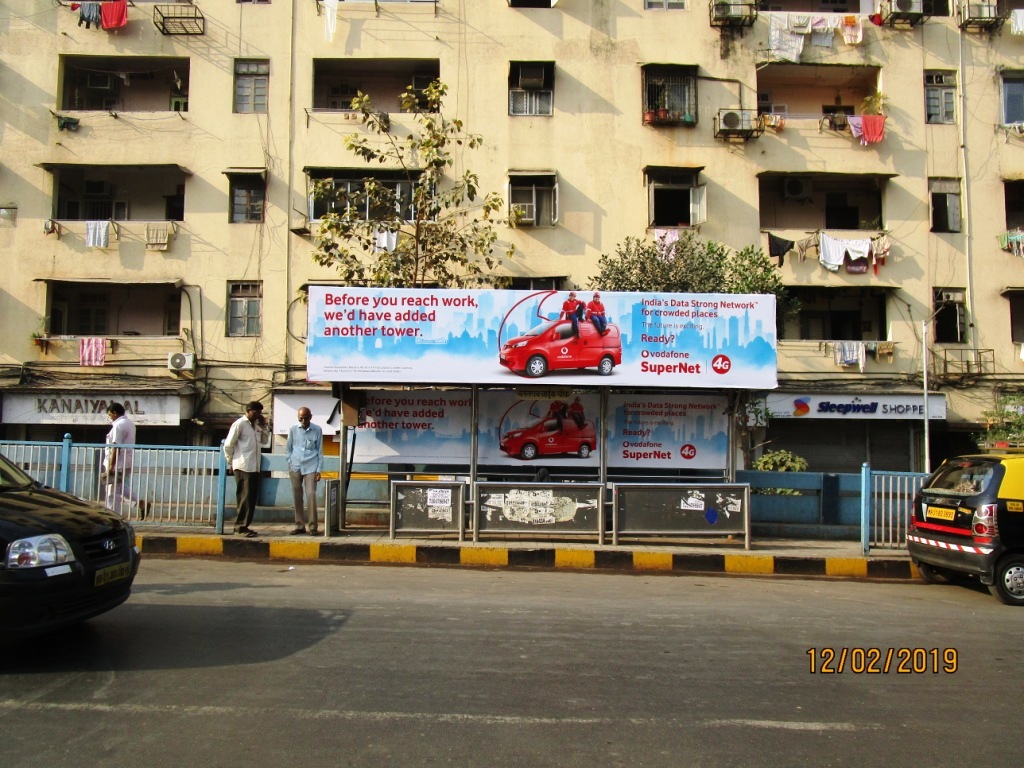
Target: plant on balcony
874	104
1004	426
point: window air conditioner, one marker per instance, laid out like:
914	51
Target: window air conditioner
531	76
910	6
730	10
796	189
181	361
981	11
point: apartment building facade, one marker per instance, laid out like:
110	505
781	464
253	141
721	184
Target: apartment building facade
156	169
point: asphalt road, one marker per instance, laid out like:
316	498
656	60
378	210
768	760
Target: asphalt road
219	663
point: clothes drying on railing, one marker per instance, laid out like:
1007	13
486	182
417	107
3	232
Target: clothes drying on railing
97	234
849	353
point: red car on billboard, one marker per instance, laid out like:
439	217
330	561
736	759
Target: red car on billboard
548	437
551	346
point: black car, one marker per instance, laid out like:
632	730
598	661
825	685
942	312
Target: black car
65	560
968	519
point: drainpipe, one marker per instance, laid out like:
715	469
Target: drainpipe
288	251
966	212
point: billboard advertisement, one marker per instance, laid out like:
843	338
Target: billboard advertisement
434	427
454	336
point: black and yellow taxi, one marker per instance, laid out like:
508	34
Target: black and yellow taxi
968	518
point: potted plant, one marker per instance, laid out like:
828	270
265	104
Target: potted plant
874	104
663	103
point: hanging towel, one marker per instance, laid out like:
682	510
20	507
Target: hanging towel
823	30
783	44
89	14
858	250
666	237
830	252
879	250
330	19
874	128
799	23
852	30
847	353
114	14
157	237
92	351
855	266
856	123
97	234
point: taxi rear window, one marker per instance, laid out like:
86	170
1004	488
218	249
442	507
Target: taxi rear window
965	477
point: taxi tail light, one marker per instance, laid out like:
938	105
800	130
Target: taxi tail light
984	526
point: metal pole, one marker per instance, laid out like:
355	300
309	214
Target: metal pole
924	369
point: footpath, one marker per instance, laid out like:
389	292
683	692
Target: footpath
373	546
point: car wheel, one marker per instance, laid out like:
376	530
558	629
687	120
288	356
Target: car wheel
933	575
605	366
1009	584
528	452
584	451
536	367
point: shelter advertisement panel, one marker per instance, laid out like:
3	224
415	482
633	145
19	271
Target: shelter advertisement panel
453	336
668	431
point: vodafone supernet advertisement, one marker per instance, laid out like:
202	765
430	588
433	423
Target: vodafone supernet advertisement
462	336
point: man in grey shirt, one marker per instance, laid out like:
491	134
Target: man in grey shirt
305	454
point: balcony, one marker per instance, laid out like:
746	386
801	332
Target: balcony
124	83
179	19
962	364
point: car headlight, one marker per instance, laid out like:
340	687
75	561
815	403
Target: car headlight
39	551
519	344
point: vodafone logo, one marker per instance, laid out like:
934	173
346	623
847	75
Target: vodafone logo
801	406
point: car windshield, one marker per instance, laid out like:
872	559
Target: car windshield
962	476
11	477
537	330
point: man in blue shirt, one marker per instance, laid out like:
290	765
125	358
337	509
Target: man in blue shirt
305	454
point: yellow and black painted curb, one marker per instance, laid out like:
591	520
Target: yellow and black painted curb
486	556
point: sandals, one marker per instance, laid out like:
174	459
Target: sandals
246	532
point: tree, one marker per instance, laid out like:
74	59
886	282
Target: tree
689	265
412	224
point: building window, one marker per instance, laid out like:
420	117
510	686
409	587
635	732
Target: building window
534	197
531	87
675	199
939	96
393	192
247	197
949	310
1016	317
245	308
670	94
945	195
531	3
1013	98
252	79
664	5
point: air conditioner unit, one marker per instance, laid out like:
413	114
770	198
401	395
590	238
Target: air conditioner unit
181	361
910	6
796	189
982	11
730	10
531	76
736	120
951	297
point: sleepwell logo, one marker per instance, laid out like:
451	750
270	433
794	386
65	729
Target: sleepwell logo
801	406
842	409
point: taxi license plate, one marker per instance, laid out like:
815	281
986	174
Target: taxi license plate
113	573
941	513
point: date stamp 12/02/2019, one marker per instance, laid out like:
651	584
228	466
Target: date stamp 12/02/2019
880	661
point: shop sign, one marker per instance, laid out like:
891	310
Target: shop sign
833	406
90	408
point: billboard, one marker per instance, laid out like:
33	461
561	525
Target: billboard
453	336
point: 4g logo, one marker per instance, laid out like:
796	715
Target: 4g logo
688	452
721	364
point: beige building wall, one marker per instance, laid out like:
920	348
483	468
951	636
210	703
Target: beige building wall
595	143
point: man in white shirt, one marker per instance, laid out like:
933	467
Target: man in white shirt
117	462
242	451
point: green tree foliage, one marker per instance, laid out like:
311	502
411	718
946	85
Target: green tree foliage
780	461
448	238
690	265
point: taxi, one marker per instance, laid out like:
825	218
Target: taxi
968	519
